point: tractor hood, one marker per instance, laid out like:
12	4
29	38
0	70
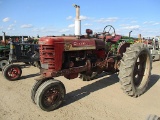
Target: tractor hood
69	43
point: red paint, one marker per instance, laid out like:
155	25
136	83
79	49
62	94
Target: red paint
51	50
113	39
100	54
51	54
71	76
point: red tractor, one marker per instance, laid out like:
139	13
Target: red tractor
87	55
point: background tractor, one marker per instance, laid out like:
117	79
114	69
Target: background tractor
4	55
20	53
4	52
22	50
88	55
153	45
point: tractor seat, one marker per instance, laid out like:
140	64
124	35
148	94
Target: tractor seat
113	39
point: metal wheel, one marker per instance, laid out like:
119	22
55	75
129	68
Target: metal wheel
12	72
50	95
140	70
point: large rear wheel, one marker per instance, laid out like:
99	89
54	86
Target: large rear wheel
135	69
50	95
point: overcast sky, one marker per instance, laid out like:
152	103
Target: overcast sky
56	17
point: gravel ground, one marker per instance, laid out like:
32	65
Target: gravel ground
99	99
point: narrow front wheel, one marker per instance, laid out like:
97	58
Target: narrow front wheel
35	88
50	95
12	72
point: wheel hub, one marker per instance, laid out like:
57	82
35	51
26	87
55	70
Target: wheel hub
52	96
13	72
139	69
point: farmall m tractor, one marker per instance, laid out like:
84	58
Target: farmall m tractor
86	55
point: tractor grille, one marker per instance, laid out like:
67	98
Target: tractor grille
47	56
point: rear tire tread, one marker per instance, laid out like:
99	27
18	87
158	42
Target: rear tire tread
126	68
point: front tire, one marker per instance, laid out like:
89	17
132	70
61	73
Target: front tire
135	69
12	72
50	95
35	88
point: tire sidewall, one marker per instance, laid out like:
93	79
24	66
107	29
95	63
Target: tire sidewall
35	87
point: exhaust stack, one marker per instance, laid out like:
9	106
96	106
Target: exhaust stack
22	39
3	36
77	21
4	39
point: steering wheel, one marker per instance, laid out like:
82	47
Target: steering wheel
108	32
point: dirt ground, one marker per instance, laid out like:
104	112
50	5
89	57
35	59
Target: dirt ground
100	99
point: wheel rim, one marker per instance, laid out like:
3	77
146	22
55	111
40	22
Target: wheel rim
52	96
13	72
141	70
